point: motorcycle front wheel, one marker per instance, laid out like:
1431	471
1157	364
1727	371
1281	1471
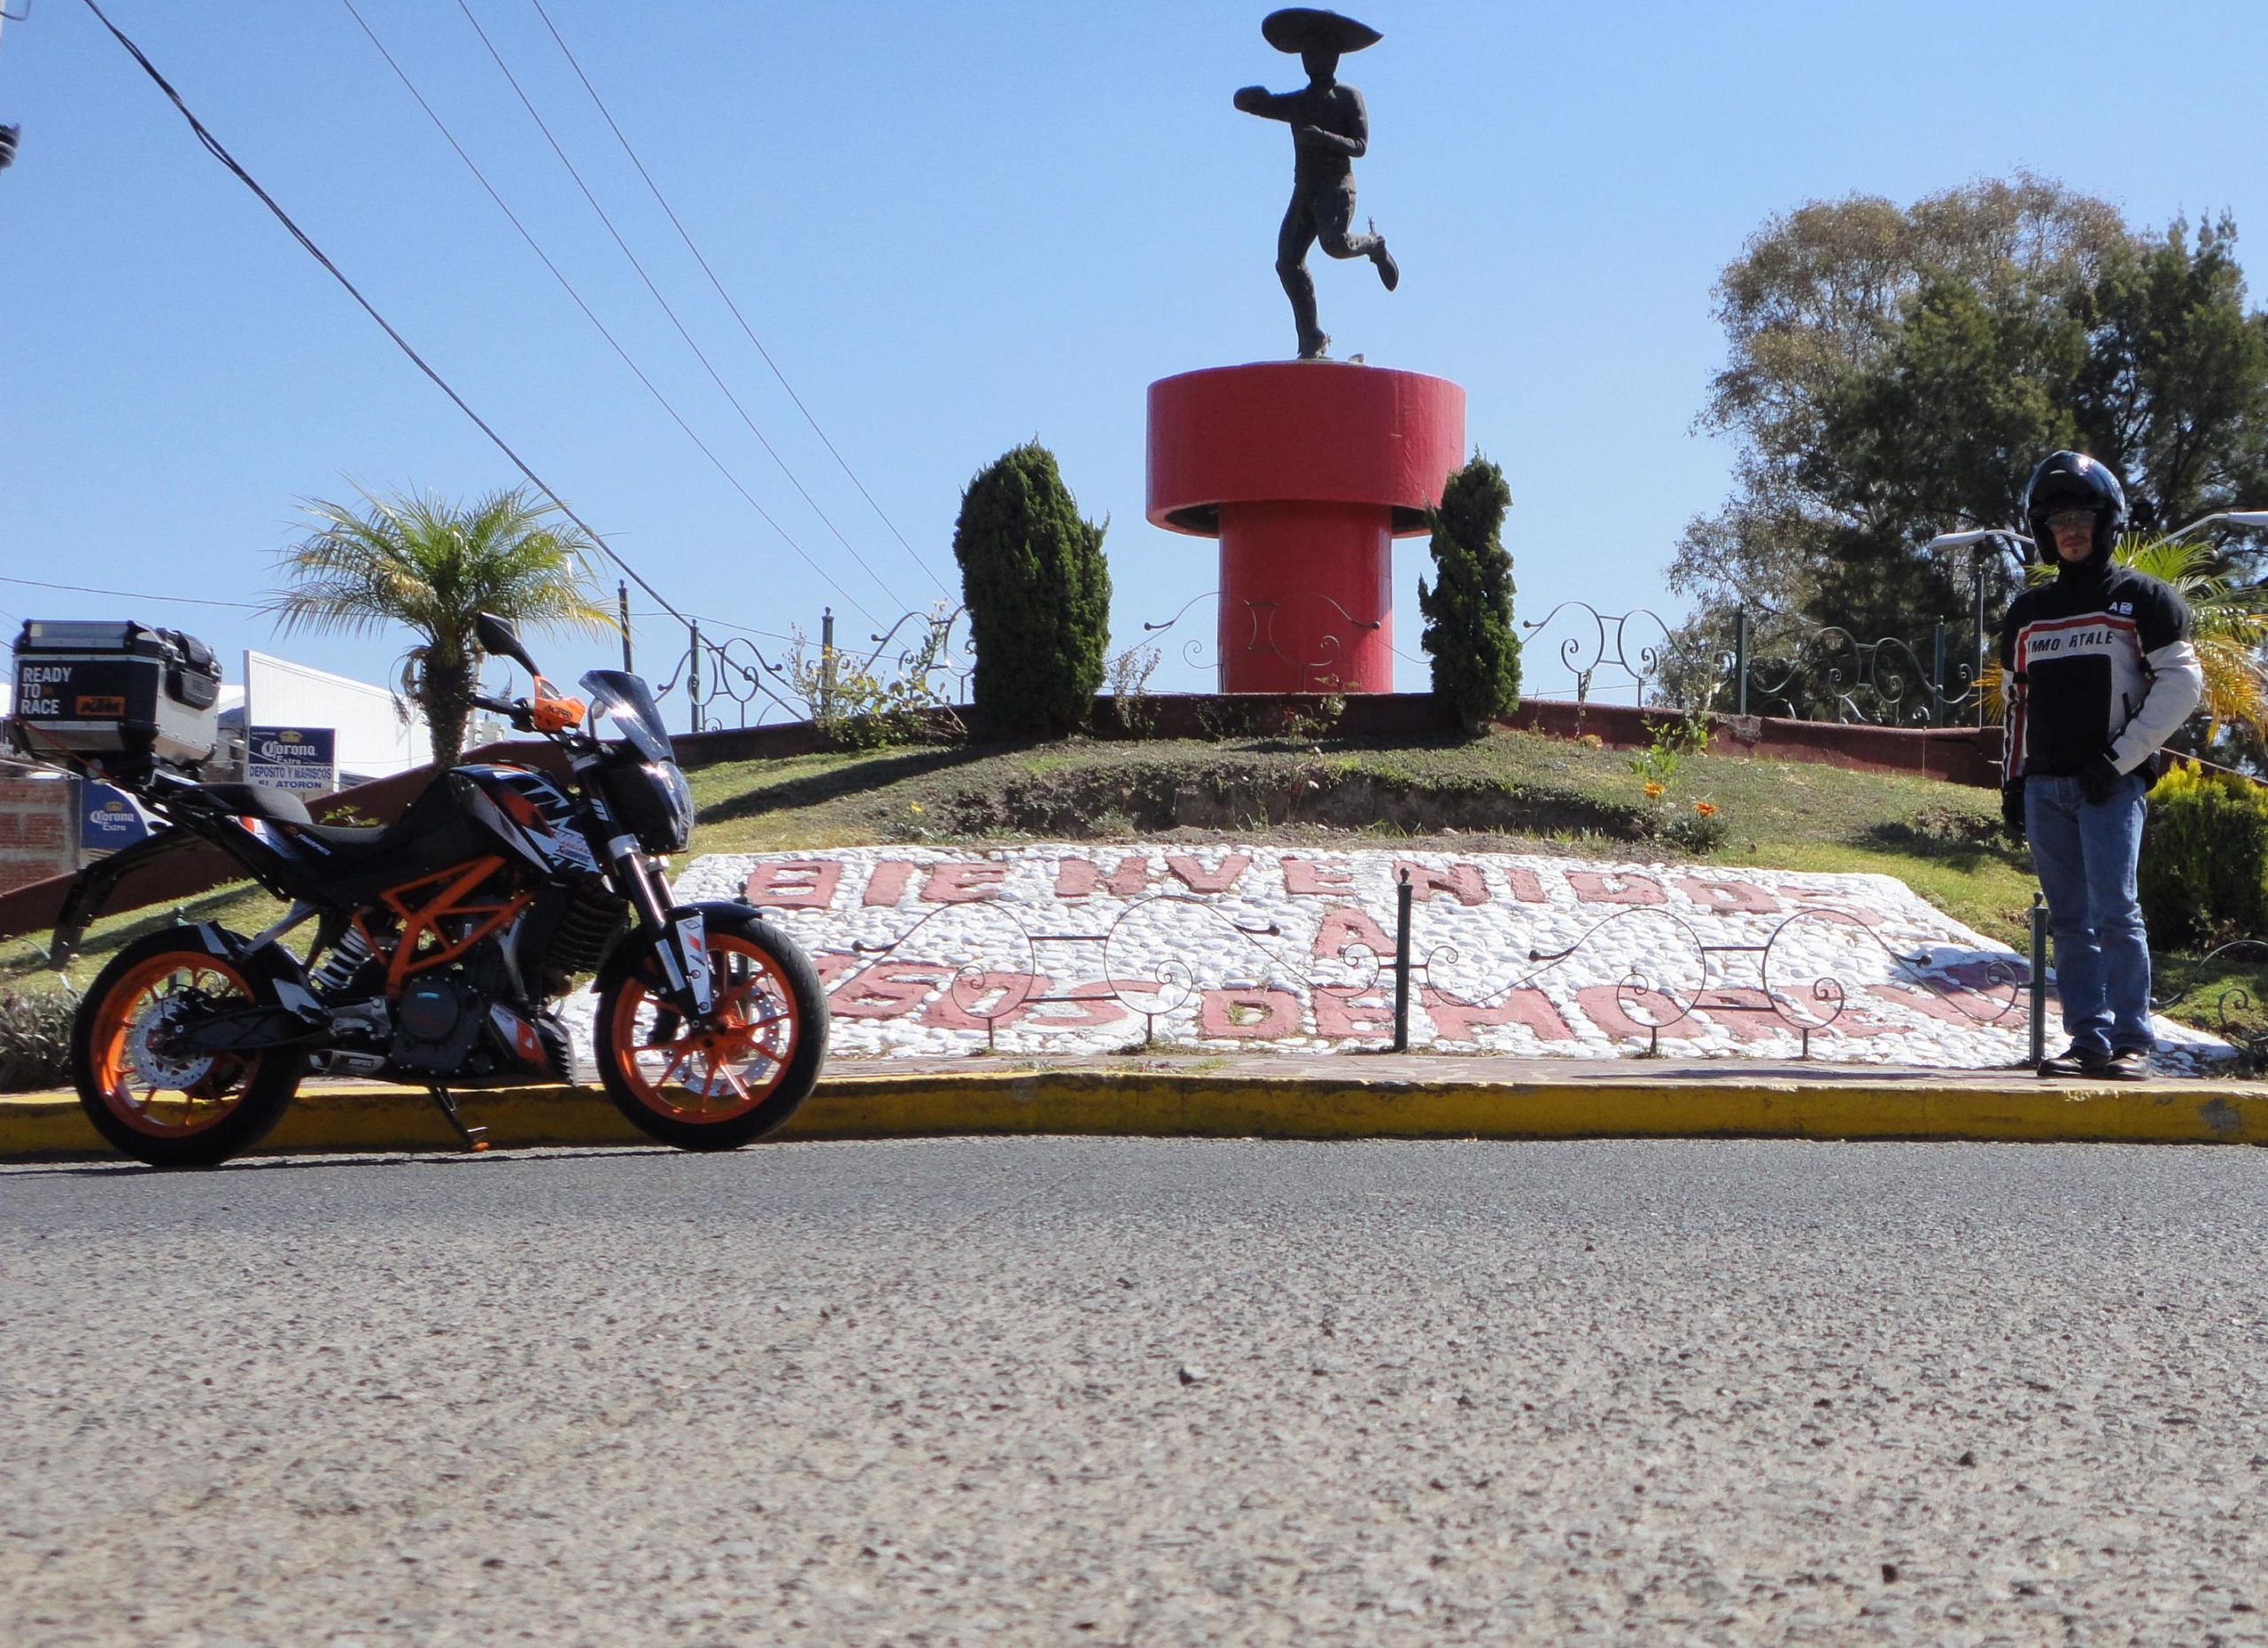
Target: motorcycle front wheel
159	1106
717	1085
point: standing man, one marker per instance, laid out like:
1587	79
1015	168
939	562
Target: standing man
1330	132
2099	673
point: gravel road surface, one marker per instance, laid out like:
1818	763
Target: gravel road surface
1090	1391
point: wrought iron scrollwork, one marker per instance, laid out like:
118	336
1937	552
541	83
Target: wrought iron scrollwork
1650	998
734	677
710	675
1603	650
1825	673
1257	628
1882	683
993	974
1155	984
2250	1039
1192	649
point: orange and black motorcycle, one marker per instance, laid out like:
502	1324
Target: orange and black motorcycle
441	942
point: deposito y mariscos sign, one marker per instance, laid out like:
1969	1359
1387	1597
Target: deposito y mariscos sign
305	758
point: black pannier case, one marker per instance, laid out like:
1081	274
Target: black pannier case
117	696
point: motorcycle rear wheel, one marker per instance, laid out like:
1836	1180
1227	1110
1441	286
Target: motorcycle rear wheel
173	1111
718	1087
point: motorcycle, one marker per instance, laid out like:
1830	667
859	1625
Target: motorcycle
443	942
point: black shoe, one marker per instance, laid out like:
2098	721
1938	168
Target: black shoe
1315	346
2128	1064
1389	271
2074	1062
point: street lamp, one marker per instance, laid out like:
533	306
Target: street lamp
2235	517
1998	538
1943	542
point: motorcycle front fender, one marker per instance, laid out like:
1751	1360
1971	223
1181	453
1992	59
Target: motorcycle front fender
678	947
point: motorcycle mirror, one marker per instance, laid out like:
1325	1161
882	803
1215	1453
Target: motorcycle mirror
499	639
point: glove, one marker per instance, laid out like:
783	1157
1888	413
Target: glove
2098	777
2012	807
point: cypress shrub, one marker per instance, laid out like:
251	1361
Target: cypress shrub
1038	590
1469	608
2203	877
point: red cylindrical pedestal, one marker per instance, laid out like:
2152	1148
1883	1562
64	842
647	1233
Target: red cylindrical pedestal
1307	597
1306	471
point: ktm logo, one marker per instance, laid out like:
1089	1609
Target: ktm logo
99	705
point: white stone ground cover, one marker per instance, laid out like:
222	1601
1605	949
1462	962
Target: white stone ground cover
1078	949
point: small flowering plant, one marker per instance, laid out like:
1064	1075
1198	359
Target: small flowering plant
1695	825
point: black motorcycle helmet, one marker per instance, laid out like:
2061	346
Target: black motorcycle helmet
2067	480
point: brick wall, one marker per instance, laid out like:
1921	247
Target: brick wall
38	829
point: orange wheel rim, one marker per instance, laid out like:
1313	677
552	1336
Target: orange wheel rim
168	1096
717	1072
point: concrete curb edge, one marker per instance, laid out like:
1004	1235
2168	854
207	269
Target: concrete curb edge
1327	1105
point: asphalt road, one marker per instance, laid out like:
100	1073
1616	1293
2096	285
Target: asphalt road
1153	1392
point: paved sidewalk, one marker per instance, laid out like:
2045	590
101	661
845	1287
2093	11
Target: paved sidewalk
1339	1096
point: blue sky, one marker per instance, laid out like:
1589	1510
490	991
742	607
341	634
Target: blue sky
956	229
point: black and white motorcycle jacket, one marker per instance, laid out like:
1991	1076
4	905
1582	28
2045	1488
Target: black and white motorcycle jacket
2098	661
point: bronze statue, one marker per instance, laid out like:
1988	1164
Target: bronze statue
1330	132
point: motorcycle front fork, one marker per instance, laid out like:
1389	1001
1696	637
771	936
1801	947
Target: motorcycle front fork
679	935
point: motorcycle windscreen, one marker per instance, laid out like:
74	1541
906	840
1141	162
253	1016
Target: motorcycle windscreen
636	715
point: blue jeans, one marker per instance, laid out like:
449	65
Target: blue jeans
2085	853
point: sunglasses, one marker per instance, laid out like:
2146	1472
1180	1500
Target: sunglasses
2061	520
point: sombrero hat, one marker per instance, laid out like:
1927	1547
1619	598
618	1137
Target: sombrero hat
1303	29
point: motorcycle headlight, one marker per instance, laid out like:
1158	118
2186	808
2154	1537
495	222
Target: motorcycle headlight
654	803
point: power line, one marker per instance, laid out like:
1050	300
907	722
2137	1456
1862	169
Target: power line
848	547
136	594
214	147
750	331
718	623
588	313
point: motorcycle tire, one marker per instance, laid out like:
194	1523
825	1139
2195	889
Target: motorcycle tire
718	1088
191	1112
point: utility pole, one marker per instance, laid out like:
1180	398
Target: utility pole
622	603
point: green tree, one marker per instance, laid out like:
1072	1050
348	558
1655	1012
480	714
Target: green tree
1469	608
1894	373
2174	390
1038	591
433	567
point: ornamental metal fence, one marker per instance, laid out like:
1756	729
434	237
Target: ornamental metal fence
923	657
1826	673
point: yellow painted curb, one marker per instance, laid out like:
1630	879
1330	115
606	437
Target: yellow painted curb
1326	1104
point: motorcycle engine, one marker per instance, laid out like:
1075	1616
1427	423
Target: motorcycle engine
435	1022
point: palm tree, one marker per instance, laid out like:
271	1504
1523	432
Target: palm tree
422	563
2228	628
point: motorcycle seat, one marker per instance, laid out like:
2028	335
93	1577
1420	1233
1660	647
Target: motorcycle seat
283	806
261	801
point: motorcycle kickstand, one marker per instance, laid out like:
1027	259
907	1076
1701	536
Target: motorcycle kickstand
476	1138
